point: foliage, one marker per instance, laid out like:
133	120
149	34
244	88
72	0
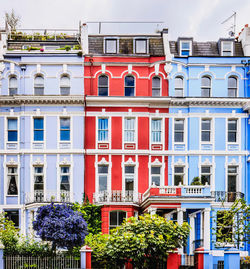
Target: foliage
67	47
12	19
77	47
92	215
9	235
196	181
143	242
233	224
245	260
61	225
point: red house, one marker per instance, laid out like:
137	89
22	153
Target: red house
126	124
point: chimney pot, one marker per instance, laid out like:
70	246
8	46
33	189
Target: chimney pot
246	25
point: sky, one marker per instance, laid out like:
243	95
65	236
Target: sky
200	19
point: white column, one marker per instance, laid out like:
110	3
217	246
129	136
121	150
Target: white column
192	234
207	228
180	222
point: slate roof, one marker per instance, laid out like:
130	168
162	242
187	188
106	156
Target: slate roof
206	49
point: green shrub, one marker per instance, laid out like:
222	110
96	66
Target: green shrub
196	181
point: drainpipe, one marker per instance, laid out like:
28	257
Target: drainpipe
91	75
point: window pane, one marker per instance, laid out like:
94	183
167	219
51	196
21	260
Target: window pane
38	169
178	92
232	183
64	90
113	218
232	125
102	169
232	92
122	216
64	169
38	135
129	81
65	135
102	183
65	123
179	125
12	124
13	82
103	81
205	179
178	137
227	45
38	123
185	45
39	91
185	52
129	169
205	136
232	137
103	91
205	92
178	82
206	125
65	81
156	82
129	91
129	184
178	179
13	215
156	180
232	169
110	46
39	81
205	169
141	46
206	81
12	135
156	92
227	53
232	82
179	169
155	170
12	190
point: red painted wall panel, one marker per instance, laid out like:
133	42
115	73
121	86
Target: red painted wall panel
166	133
142	174
166	170
89	181
143	133
90	132
116	136
116	179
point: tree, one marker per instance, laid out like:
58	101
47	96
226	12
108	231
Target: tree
233	224
91	214
12	19
143	242
61	225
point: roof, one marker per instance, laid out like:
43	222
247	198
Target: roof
209	48
96	45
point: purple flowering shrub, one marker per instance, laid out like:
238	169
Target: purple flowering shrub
61	225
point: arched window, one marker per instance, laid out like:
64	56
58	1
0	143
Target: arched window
103	86
65	85
178	87
39	85
129	86
232	87
12	85
205	86
156	86
116	218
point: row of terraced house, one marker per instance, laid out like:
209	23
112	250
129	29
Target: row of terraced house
129	120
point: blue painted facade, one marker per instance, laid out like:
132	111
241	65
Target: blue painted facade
42	131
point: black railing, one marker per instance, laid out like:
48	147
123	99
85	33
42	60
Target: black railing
223	196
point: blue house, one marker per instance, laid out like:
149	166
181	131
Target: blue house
41	119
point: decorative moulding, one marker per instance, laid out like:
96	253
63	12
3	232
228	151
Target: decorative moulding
38	162
64	162
156	162
129	162
11	162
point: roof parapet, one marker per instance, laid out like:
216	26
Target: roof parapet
244	38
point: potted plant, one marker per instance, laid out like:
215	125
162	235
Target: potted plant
196	181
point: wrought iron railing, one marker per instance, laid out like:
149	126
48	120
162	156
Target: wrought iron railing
117	196
40	196
223	196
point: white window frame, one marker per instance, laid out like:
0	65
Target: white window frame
181	77
117	45
210	174
39	75
102	174
6	132
211	131
103	87
222	48
237	131
132	130
206	87
9	88
141	39
38	174
69	174
161	131
184	130
183	174
114	226
160	88
152	175
65	86
8	182
237	85
33	130
237	174
130	175
190	48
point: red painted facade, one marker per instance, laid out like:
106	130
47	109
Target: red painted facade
115	153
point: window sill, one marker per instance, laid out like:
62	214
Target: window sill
11	145
64	144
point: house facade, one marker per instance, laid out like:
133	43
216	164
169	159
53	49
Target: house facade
42	120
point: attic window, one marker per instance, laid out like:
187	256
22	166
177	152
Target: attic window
110	45
141	46
185	48
226	48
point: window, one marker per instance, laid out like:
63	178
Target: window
156	86
179	131
103	177
185	48
205	175
39	85
65	85
140	46
205	130
232	87
129	86
102	130
129	130
227	48
156	175
232	131
116	218
13	86
64	129
110	46
129	178
65	183
156	131
224	229
205	86
232	173
103	85
12	180
38	184
13	215
12	130
178	87
38	129
178	175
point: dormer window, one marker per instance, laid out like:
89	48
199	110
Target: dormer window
185	47
226	48
111	46
141	46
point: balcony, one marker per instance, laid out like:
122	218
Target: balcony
117	196
48	197
223	196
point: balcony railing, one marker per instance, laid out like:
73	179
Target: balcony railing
48	197
117	196
223	196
